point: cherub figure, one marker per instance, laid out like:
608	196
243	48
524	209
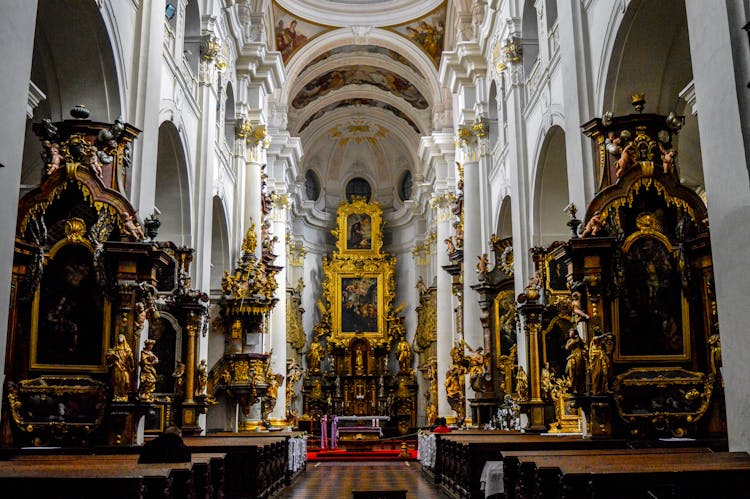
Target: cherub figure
51	156
132	228
593	226
627	160
93	161
667	159
577	307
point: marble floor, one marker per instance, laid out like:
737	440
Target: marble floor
338	480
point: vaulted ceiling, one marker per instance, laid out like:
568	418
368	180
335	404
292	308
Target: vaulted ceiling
361	87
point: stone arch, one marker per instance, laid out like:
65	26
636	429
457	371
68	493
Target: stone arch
229	116
73	63
220	250
192	36
643	43
493	116
504	226
529	37
172	198
550	190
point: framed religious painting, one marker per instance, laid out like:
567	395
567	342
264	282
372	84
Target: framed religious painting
651	316
70	323
359	228
360	304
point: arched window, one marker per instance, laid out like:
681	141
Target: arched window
358	187
405	186
312	185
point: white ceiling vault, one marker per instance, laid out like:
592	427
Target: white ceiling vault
361	88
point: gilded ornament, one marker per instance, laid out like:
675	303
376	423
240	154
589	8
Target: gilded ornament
75	230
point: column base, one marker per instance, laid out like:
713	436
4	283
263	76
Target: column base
535	412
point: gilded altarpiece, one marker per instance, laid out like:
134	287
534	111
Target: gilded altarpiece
349	367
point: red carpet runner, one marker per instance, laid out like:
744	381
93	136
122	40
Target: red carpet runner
345	456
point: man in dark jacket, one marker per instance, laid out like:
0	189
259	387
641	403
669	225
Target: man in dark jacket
166	448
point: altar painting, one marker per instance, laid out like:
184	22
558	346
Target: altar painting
651	316
70	319
360	304
359	232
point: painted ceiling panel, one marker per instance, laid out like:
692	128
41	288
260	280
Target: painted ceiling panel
360	75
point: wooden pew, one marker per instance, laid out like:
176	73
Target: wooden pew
520	473
202	478
75	481
254	467
461	457
670	474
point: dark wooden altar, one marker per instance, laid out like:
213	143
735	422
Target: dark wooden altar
85	285
630	335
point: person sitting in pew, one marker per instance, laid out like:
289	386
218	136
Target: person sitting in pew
166	448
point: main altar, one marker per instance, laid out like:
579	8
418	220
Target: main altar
359	361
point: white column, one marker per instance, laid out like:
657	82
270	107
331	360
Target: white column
278	314
576	76
17	27
473	332
253	207
146	100
444	303
720	56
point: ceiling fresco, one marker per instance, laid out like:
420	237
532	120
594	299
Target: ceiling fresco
365	49
428	33
354	50
358	132
360	75
353	102
292	33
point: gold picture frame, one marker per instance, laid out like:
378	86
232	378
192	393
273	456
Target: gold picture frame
48	348
556	275
679	332
359	285
359	228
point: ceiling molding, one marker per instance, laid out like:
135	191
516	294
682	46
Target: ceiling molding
345	14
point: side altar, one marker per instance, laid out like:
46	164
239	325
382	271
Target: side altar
349	367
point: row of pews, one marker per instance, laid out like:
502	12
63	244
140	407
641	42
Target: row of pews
542	466
231	466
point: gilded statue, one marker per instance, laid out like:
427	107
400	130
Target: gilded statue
714	355
201	378
483	265
522	384
132	228
148	372
404	356
600	363
314	356
121	364
454	388
179	380
477	368
449	245
575	366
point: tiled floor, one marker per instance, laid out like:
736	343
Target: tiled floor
337	480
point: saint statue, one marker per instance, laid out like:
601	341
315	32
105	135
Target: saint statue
179	380
121	363
404	356
575	367
314	356
201	378
148	372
